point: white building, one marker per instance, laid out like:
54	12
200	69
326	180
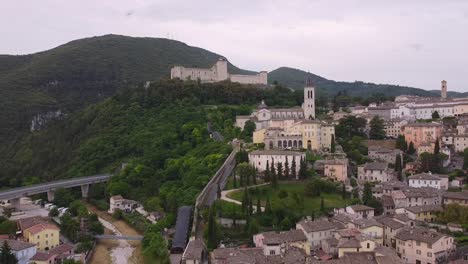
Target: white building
23	251
118	202
217	73
260	158
356	211
460	142
436	181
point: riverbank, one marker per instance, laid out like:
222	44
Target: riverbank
115	251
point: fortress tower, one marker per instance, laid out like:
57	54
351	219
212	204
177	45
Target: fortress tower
443	90
309	100
221	69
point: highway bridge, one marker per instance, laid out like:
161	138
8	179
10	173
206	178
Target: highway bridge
15	194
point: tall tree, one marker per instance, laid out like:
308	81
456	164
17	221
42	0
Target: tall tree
411	149
287	173
377	128
435	115
259	206
268	205
279	170
219	192
212	235
272	169
6	255
343	191
302	169
332	145
465	159
398	166
322	204
274	180
436	147
367	193
293	168
254	175
401	143
267	172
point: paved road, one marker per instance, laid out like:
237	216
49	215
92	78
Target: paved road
44	187
116	237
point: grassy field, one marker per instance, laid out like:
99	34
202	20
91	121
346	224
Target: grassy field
294	191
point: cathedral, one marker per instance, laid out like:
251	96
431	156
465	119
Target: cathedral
290	128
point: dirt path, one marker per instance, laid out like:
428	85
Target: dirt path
224	195
113	251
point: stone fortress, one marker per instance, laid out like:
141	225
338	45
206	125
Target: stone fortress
290	128
217	73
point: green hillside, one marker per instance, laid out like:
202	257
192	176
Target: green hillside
83	72
160	132
295	78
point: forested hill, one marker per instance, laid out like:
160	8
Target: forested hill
85	71
294	78
161	132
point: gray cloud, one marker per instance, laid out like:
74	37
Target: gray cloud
415	43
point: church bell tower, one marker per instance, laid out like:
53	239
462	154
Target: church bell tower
443	90
309	100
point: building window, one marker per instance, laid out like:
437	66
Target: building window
418	251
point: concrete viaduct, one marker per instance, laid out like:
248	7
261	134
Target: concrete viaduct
15	194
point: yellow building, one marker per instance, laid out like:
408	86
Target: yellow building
462	108
259	136
336	169
44	235
355	245
422	213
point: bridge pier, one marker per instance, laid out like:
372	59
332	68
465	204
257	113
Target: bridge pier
84	191
50	195
15	203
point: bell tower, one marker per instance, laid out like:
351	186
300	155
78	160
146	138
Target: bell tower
443	90
309	100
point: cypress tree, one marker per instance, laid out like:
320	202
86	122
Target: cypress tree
212	236
279	170
286	169
6	255
332	145
343	191
398	166
272	169
268	205
267	172
219	192
293	168
411	149
322	204
274	180
436	147
254	175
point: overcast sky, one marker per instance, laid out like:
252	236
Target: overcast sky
408	42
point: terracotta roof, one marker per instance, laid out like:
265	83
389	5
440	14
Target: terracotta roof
349	243
419	234
40	227
62	249
423	125
456	195
387	221
319	225
283	237
360	207
42	256
16	245
424	176
424	208
376	166
31	221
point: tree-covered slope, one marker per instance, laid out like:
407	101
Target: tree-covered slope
85	71
295	79
160	132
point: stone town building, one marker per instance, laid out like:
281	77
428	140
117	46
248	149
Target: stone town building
419	133
195	252
277	243
436	181
217	73
391	226
460	198
375	171
336	169
356	211
393	127
378	153
460	142
318	230
420	245
421	213
260	158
